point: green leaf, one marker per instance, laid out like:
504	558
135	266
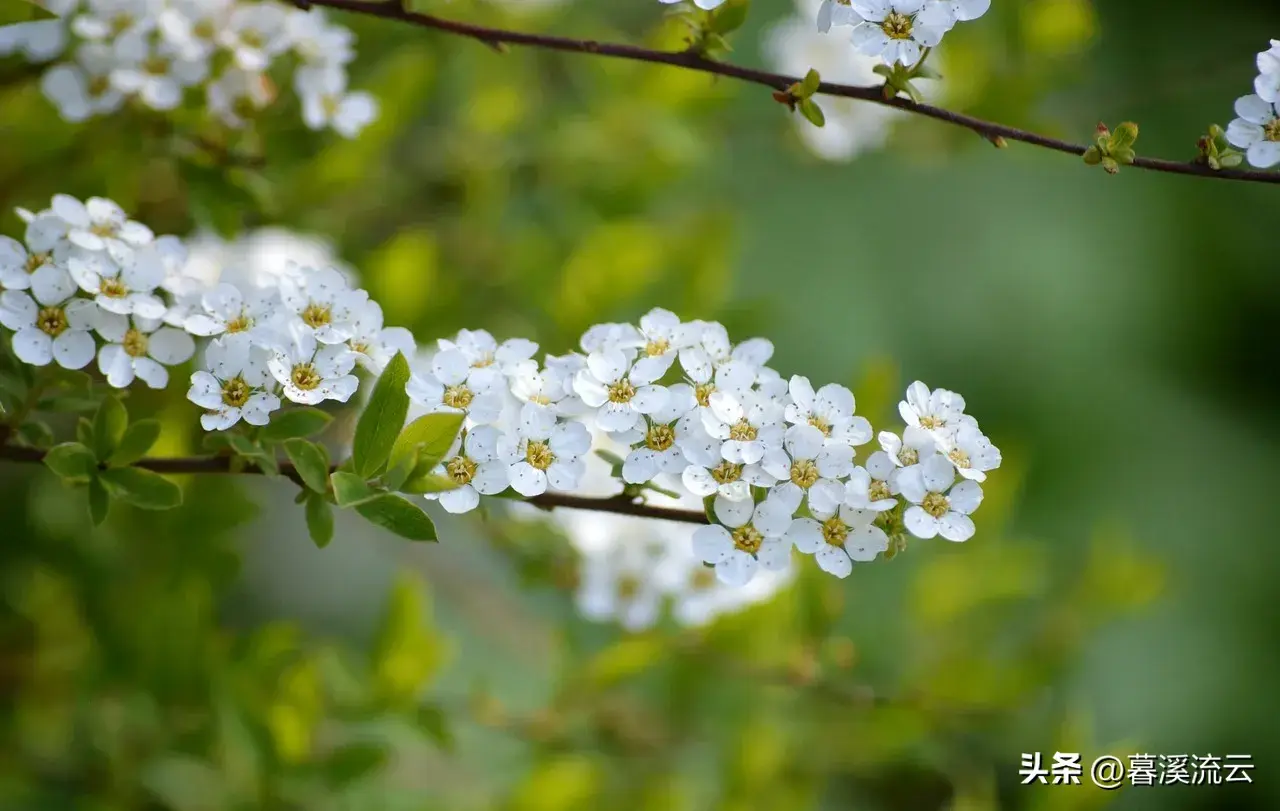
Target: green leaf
729	17
382	419
109	425
84	432
264	459
137	440
35	434
319	519
612	458
811	111
311	461
1124	136
26	11
432	721
431	436
624	659
299	423
427	482
99	502
349	490
141	488
72	461
398	515
352	762
810	83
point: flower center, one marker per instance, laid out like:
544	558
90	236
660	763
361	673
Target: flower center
204	29
748	539
702	393
1271	130
835	531
135	343
99	85
804	473
461	469
622	391
120	23
103	229
743	431
821	424
897	25
360	347
703	579
52	321
156	66
485	359
235	392
936	505
240	323
726	473
960	458
305	376
114	288
317	315
253	39
458	396
244	107
35	261
659	438
931	423
658	346
879	491
330	105
540	399
628	586
908	456
539	455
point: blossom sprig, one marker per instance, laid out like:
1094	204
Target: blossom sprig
160	53
774	459
1256	128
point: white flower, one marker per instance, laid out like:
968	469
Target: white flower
751	537
547	453
157	74
128	290
44	248
107	19
317	42
482	351
708	473
53	325
835	12
1257	131
620	581
99	224
940	412
966	10
551	387
83	88
479	467
837	537
830	410
140	347
327	104
709	363
1267	85
661	337
898	30
937	507
748	424
226	310
452	385
808	467
325	303
374	344
705	5
621	395
237	95
907	450
191	26
255	33
972	453
310	372
603	337
869	488
657	449
38	40
236	386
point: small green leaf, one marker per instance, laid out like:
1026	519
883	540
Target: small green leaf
810	84
311	461
1093	156
109	425
612	458
811	111
422	482
299	423
99	502
382	419
141	488
137	440
1124	136
319	519
431	436
398	515
35	434
350	490
432	721
72	461
352	762
729	17
84	432
263	458
624	659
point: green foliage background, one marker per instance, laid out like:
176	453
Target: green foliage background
1112	334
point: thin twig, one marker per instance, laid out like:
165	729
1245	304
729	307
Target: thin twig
620	504
689	60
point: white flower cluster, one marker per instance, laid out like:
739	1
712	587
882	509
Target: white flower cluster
90	282
775	457
155	51
898	31
1257	130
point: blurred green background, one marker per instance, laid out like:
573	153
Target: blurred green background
1111	333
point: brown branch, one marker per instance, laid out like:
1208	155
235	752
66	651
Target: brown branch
689	60
619	504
